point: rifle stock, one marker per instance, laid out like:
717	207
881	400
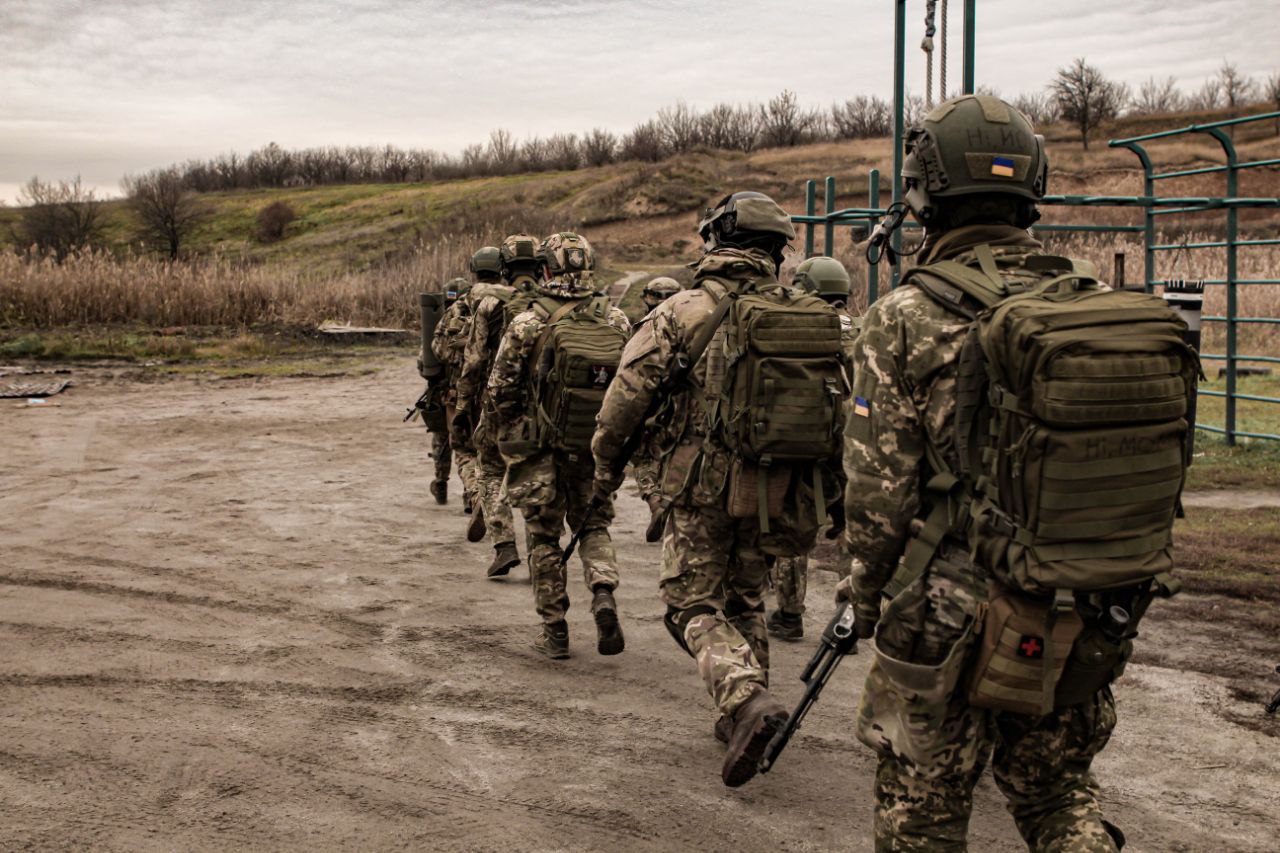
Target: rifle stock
837	641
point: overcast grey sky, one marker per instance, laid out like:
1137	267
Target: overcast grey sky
103	87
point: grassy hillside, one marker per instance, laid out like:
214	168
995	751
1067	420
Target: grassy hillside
637	213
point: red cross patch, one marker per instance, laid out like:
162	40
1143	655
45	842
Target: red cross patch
1031	647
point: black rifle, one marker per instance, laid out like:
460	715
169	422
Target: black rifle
420	405
1274	704
837	641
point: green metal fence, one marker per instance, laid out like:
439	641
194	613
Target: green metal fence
1152	206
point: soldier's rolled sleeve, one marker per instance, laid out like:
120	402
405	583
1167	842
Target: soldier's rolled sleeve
506	380
630	394
475	357
884	443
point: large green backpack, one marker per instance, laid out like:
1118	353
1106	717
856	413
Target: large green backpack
573	362
779	386
1070	426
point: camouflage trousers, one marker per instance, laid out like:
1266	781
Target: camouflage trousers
934	750
544	526
441	455
713	581
790	578
466	457
490	469
647	471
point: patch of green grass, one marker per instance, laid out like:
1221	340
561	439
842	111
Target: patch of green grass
1230	551
82	346
1251	463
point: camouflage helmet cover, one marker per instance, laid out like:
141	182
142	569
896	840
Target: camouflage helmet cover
518	251
823	276
569	260
487	259
660	288
742	216
972	144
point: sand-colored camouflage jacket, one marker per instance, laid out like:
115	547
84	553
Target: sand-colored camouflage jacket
481	346
904	400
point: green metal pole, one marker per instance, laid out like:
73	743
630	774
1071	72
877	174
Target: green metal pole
809	188
873	270
1233	244
899	107
829	227
970	43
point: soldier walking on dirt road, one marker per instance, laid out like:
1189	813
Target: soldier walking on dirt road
735	498
549	375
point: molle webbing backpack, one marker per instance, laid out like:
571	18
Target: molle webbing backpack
783	385
1070	427
574	361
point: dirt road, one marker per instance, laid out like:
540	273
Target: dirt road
232	618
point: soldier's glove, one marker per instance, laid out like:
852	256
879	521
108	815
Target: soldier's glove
461	429
865	613
657	518
606	483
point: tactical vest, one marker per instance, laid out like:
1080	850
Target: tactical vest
523	295
1072	439
572	364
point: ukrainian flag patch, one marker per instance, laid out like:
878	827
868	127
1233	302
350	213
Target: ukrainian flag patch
1002	167
861	407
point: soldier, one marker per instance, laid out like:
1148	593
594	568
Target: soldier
441	394
658	290
973	173
714	569
448	343
543	426
489	321
827	278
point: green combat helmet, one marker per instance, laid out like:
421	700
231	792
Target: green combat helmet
825	277
455	289
747	220
568	259
486	263
658	290
973	145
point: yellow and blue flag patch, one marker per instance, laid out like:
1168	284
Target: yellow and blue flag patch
861	407
1002	167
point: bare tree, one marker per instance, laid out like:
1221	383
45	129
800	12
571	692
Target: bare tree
474	160
679	126
533	155
1207	97
644	143
59	218
1272	88
785	123
1086	98
862	117
1157	96
1237	88
503	152
166	209
563	152
1040	108
599	147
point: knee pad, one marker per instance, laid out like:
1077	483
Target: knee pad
677	620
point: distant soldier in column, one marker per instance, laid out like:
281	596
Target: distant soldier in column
493	294
450	338
749	373
647	463
828	279
554	363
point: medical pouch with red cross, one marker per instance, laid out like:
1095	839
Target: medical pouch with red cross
1023	646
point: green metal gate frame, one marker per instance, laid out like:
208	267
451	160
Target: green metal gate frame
1151	204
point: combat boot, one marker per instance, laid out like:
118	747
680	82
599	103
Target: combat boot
724	728
440	491
553	640
605	610
476	527
754	724
785	626
467	500
506	559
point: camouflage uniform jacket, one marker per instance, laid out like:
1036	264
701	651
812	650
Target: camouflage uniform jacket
509	381
451	336
487	324
649	357
904	400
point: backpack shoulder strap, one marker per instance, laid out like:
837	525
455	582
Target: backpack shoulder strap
559	313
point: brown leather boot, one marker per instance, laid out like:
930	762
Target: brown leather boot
505	559
754	724
553	640
605	611
724	728
440	491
